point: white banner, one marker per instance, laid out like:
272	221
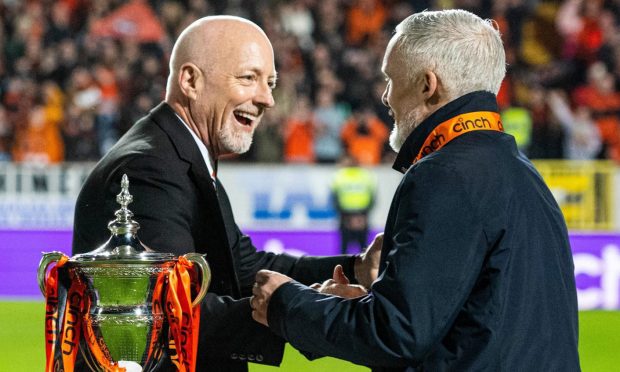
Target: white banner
264	197
295	197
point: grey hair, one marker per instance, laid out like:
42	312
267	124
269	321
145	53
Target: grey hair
463	50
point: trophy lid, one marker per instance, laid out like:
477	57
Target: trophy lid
124	245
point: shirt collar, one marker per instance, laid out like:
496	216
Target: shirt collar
211	165
470	102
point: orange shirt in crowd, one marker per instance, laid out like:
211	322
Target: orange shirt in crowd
605	108
367	147
107	83
39	141
590	39
365	19
299	141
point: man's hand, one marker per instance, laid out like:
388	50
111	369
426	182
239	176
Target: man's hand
339	285
266	283
366	266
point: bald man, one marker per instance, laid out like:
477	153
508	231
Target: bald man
221	79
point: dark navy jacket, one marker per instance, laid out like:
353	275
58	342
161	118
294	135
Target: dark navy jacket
476	271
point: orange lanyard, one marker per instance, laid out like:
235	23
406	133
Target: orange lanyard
457	126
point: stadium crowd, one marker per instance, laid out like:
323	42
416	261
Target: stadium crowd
75	74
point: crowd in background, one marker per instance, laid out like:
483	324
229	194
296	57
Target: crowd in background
76	74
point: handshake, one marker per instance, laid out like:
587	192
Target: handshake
366	270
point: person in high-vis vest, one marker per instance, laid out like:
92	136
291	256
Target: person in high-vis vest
353	192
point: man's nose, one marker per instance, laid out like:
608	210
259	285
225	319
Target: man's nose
265	96
384	99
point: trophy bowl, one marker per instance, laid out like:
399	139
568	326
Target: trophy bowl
119	291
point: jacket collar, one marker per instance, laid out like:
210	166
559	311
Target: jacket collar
169	122
184	143
470	102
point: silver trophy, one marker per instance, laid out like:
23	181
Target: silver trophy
123	283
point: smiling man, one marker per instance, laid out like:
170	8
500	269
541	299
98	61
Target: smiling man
476	272
220	101
220	84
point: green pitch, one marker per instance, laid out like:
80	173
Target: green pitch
21	342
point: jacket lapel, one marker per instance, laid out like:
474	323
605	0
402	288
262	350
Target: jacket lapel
188	151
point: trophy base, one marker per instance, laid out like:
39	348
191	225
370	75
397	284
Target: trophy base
130	366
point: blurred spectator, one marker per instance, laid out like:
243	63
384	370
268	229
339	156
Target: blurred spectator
143	103
539	37
504	96
330	117
79	135
296	19
517	121
38	139
268	144
364	135
578	22
110	76
582	140
6	133
510	15
54	101
360	71
611	40
600	96
329	29
547	135
365	19
106	119
399	10
85	97
59	27
299	132
322	71
67	52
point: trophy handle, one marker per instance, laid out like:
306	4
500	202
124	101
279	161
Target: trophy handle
46	260
200	261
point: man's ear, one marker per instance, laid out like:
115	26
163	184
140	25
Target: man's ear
189	77
432	88
430	83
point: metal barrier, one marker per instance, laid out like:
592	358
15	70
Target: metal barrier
39	197
31	180
584	190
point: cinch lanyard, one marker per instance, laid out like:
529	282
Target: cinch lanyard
459	125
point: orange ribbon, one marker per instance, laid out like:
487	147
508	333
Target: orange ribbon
154	354
65	312
52	321
98	348
72	321
183	319
457	126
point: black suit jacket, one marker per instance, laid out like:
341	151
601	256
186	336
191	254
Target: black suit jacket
180	211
